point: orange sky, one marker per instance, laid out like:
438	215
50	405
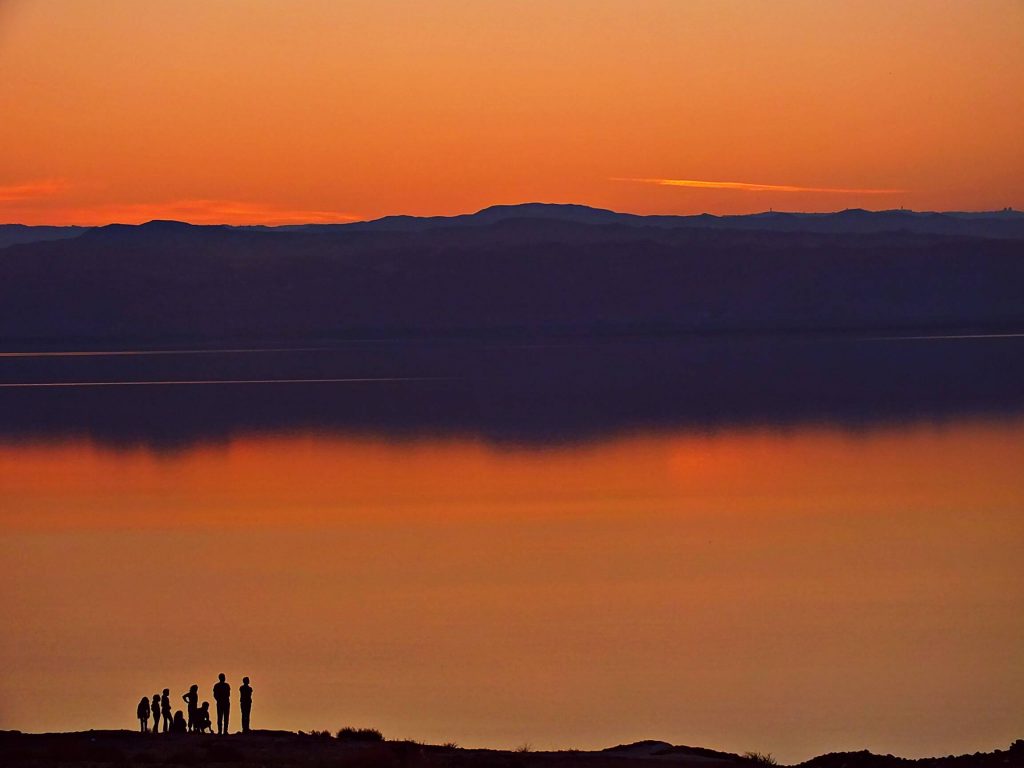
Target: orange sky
325	110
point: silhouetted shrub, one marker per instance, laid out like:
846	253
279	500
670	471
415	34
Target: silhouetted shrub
360	734
758	758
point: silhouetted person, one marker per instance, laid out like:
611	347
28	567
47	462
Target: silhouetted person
245	703
143	713
203	723
192	700
155	708
222	695
179	725
165	708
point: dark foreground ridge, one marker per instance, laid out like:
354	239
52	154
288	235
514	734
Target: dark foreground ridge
354	749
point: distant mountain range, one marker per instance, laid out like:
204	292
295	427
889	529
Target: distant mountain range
522	270
1006	223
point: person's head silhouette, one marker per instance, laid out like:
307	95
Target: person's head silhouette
221	677
245	680
193	687
167	691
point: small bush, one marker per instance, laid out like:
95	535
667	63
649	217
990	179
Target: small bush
325	734
757	758
450	745
360	734
524	748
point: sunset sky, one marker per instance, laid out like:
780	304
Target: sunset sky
245	111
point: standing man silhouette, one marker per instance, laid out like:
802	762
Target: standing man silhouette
222	695
245	702
165	709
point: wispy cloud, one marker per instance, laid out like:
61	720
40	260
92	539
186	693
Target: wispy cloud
206	211
746	186
31	190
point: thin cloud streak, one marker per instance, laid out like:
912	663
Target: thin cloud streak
750	187
30	190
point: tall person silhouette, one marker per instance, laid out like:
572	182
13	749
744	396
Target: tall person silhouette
165	709
192	700
222	695
245	703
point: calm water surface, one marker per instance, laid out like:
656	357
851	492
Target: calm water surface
785	550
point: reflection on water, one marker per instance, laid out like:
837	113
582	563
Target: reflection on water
519	394
793	590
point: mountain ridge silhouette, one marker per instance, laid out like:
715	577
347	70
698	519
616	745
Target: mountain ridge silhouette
1005	223
512	275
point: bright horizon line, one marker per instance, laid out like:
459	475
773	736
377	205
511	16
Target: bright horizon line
274	222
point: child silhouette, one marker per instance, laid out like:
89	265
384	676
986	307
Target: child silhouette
203	723
143	714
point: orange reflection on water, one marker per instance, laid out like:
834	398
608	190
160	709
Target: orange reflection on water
794	592
314	480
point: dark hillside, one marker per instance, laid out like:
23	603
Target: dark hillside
320	749
169	281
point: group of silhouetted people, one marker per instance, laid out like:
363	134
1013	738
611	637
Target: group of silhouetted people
198	716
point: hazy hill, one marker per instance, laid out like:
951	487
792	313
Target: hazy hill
12	234
520	275
1006	223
